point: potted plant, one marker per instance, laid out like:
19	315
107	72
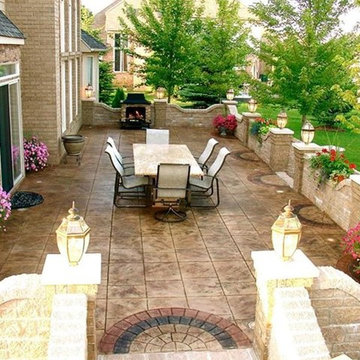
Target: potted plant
73	144
331	165
35	154
225	124
261	127
5	208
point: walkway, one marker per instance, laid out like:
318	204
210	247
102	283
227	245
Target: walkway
203	263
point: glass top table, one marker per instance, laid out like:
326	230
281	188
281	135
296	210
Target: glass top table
147	157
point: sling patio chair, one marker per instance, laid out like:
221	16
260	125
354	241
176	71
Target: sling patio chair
171	190
204	188
206	154
127	166
130	188
157	136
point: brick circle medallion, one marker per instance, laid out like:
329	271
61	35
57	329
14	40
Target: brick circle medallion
312	215
172	329
267	179
245	155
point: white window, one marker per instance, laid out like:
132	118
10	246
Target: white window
63	96
76	25
89	70
70	27
62	25
70	93
76	87
120	57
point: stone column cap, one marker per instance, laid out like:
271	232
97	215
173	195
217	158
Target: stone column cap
251	115
229	102
306	147
284	131
269	266
355	178
160	100
57	270
91	99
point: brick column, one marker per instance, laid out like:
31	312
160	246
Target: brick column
280	142
242	131
355	200
160	113
300	149
271	273
87	111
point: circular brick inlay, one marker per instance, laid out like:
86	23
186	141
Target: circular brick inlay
245	155
172	329
312	215
267	179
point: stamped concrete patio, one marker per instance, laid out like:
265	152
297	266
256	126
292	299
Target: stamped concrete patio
203	263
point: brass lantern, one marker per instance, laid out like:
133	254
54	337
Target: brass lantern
286	233
252	105
73	236
230	94
307	133
160	92
89	90
282	120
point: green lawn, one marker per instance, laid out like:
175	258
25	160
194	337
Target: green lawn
345	139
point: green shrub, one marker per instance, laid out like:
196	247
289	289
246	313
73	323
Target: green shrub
118	98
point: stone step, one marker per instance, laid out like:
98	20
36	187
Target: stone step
235	354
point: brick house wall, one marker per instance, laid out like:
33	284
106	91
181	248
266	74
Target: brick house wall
2	5
41	59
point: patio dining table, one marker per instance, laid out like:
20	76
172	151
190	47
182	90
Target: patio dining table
147	157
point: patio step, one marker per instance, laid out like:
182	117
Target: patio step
235	354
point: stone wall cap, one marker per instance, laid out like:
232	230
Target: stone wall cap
229	102
160	100
284	131
269	266
355	178
306	147
251	115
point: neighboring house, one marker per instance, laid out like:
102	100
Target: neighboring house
108	21
12	169
90	48
50	69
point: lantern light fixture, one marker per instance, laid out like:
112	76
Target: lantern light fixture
282	120
230	94
160	93
286	233
252	105
73	236
89	91
307	132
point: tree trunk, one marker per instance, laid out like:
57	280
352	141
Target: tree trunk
303	119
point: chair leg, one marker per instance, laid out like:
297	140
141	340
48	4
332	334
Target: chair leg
170	215
216	204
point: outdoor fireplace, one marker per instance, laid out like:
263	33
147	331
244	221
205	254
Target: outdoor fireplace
136	112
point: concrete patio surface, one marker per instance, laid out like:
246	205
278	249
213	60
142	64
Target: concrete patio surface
203	263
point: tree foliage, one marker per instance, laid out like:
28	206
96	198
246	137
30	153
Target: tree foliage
222	50
167	29
87	23
118	98
307	51
106	77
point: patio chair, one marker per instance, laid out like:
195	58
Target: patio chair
204	188
128	187
171	190
206	154
127	166
157	136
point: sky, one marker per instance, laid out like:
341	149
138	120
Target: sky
348	21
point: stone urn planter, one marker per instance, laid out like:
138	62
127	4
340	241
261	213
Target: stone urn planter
73	145
346	264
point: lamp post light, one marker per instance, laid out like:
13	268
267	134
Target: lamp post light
286	233
73	236
282	120
230	94
307	132
89	90
252	105
160	93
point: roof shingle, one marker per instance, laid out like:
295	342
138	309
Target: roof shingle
91	42
8	28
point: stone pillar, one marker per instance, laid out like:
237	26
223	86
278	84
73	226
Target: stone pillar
280	142
87	111
271	273
231	107
355	200
160	113
242	132
300	149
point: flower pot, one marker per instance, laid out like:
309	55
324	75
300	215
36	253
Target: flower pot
222	131
73	144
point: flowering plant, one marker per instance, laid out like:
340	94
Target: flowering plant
351	241
5	207
35	153
261	127
332	165
228	123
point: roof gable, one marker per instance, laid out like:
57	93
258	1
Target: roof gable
92	43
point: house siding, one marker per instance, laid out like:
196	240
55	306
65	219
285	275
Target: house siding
2	5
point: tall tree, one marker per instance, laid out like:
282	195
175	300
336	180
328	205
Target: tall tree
167	29
87	23
306	49
223	50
